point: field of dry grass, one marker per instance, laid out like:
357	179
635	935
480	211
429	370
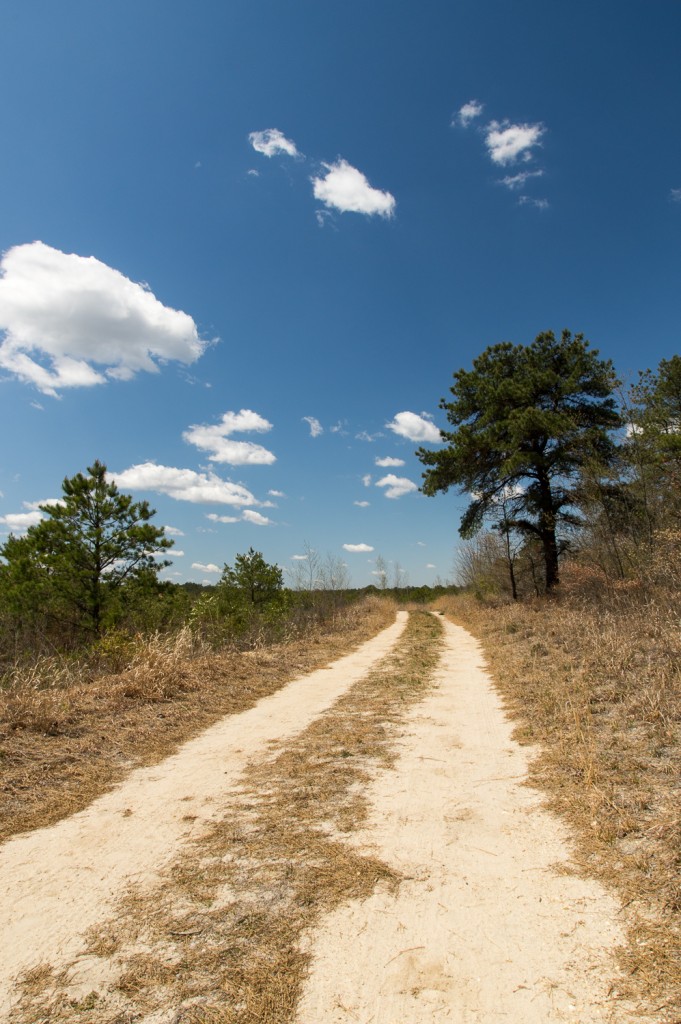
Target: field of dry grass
598	686
67	735
219	940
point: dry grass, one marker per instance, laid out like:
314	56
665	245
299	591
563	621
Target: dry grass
66	737
598	686
221	940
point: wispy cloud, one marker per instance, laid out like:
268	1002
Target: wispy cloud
414	427
217	439
675	195
467	113
506	142
357	548
362	504
86	320
389	461
271	142
183	484
366	479
315	426
518	181
346	189
539	204
396	486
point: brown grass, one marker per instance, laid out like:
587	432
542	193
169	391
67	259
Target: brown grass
221	940
66	737
598	686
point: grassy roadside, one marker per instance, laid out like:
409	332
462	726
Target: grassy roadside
65	740
219	941
598	688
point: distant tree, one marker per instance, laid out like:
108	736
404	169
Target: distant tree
254	578
526	419
381	572
77	563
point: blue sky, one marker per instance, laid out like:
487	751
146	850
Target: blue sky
246	244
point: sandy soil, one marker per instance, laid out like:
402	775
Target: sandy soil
482	929
486	927
57	882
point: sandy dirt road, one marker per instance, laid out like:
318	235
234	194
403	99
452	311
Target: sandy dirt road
57	882
483	928
486	927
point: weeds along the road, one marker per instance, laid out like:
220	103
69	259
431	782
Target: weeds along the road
67	735
219	940
597	684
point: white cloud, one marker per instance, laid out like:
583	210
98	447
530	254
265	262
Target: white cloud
396	486
206	568
172	531
362	504
366	479
217	439
389	461
516	181
468	112
19	522
34	506
215	518
414	427
430	565
506	142
272	141
315	426
357	548
66	315
173	553
539	204
276	494
256	518
675	194
183	484
346	189
299	558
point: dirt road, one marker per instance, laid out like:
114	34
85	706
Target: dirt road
482	928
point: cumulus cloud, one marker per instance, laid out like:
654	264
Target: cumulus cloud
172	531
271	141
346	189
414	427
72	321
210	567
315	426
216	439
215	518
355	548
298	558
506	142
396	486
389	461
468	112
366	479
276	494
19	522
183	484
256	518
429	565
362	504
517	181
